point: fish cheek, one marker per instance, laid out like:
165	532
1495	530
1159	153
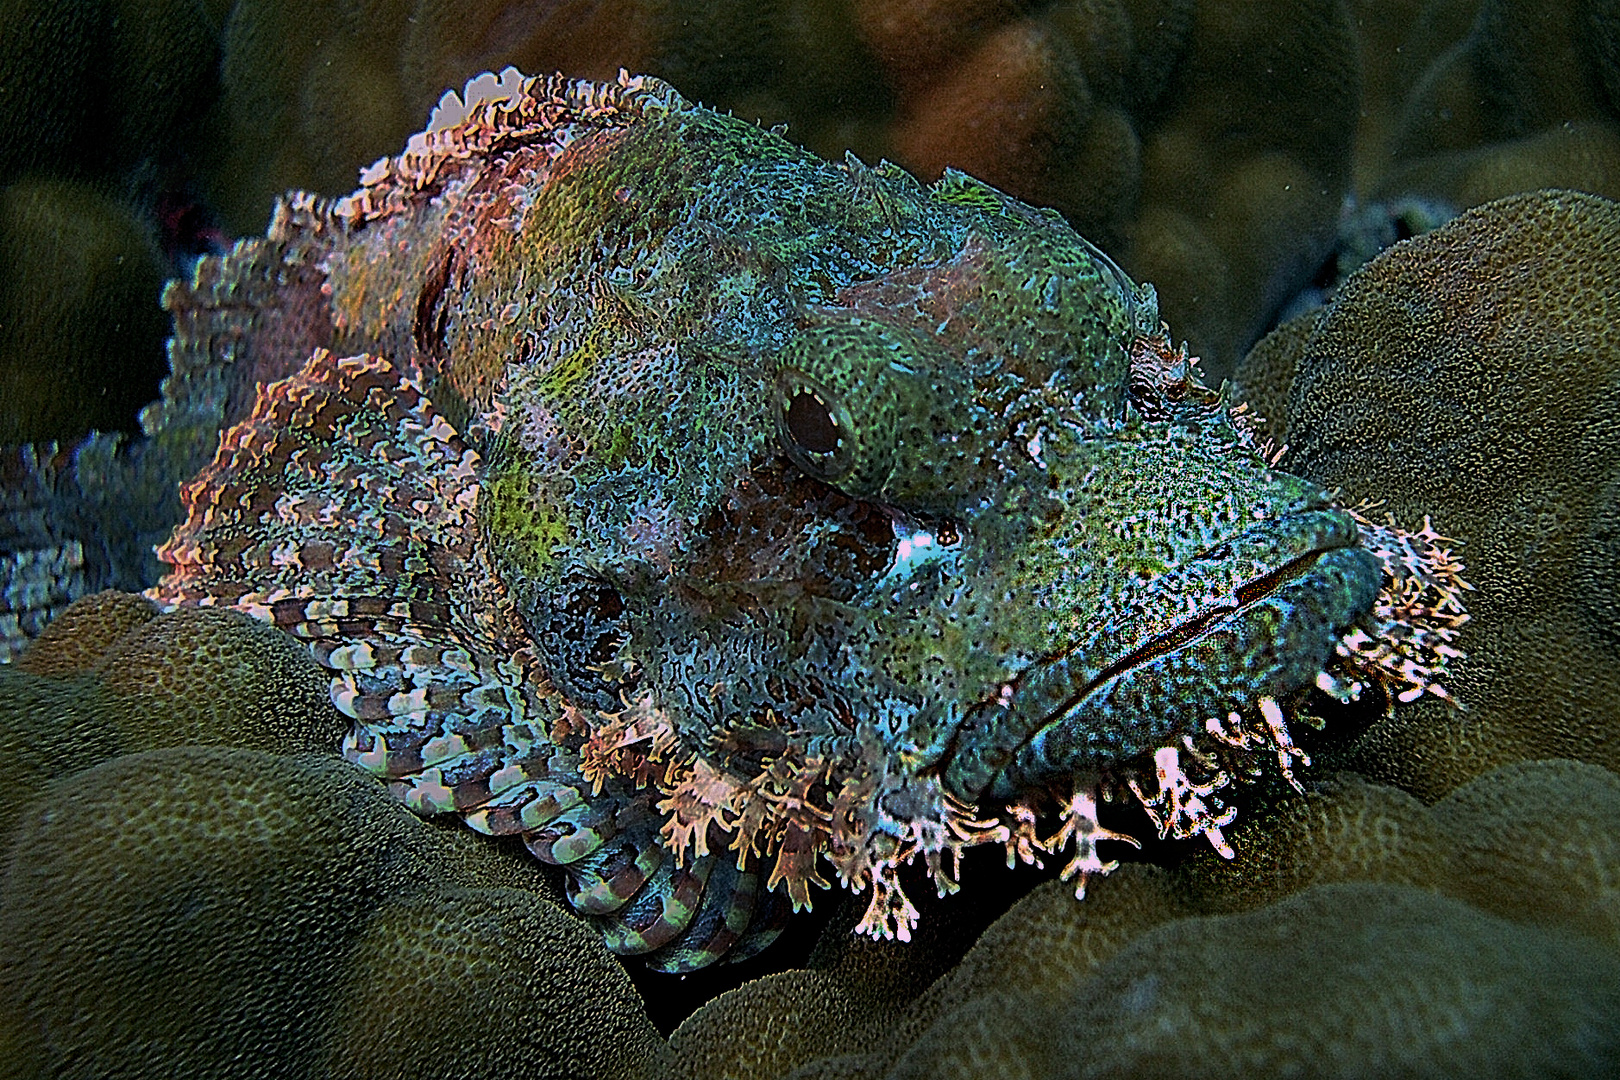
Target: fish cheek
579	628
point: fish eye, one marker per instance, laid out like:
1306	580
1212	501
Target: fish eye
810	423
880	412
815	427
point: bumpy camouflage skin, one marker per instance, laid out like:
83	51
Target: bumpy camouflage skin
699	510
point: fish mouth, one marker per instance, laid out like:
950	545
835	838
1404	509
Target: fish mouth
1180	634
1257	614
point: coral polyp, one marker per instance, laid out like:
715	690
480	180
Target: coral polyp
724	521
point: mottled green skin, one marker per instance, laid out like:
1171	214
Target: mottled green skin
637	339
784	453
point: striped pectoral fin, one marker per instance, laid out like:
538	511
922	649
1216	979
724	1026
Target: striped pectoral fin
397	745
665	906
461	785
343	510
724	915
772	909
386	753
447	739
610	877
524	807
574	834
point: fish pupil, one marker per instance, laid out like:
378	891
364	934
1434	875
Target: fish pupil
811	423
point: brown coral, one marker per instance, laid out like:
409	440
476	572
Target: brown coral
193	676
75	640
1354	931
1206	145
515	984
1535	841
1266	375
843	1003
101	88
81	342
195	894
230	912
1473	374
1019	94
1519	102
1399	40
309	92
45	732
1342	829
1340	980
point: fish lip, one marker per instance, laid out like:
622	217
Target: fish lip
1251	591
1339	532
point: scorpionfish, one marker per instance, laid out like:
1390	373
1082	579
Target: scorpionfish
716	517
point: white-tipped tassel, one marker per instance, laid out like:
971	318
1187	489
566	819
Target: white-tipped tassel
1286	750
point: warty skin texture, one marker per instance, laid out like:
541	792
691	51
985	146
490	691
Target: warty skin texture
701	510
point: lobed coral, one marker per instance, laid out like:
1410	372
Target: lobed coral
260	912
236	913
1340	980
1363	939
195	676
112	677
1494	331
74	642
1522	99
